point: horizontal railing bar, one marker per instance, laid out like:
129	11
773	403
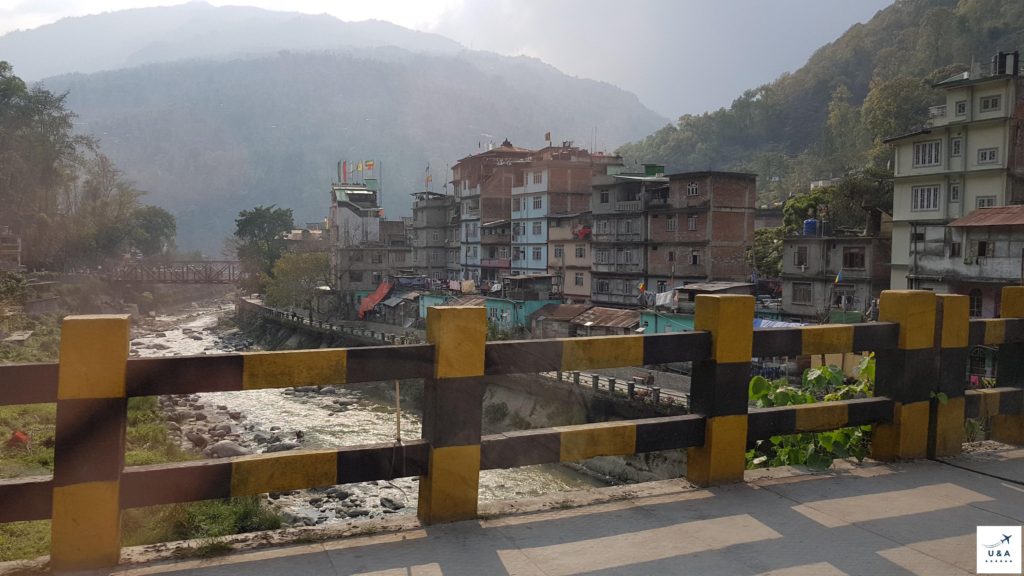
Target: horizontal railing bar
28	383
985	402
763	423
872	336
995	331
26	498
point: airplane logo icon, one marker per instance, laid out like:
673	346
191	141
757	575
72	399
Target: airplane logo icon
1004	540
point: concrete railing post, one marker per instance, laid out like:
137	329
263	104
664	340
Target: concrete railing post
611	386
89	442
946	417
452	413
907	374
719	389
655	395
576	378
631	388
1009	428
595	382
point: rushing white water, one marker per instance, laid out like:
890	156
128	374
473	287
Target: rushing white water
323	425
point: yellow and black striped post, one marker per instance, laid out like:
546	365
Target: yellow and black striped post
1009	428
907	374
452	413
952	329
719	389
89	443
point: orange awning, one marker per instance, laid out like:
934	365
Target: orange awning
373	299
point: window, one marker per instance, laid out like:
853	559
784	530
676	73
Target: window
517	204
954	192
578	281
435	235
538	177
377	258
357	256
537	228
538	202
801	293
671	257
602	287
985	202
800	256
602	227
692	190
399	257
601	256
961	108
924	198
503	252
927	153
975	303
377	277
956	147
853	257
954	250
695	257
627	226
604	197
988	155
670	223
980	248
581	250
662	286
355	275
536	253
990	103
559	251
691	223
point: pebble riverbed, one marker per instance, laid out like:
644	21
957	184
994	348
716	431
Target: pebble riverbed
225	424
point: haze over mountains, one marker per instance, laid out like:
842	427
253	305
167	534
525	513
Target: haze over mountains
214	110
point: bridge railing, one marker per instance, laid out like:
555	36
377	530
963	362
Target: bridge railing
921	347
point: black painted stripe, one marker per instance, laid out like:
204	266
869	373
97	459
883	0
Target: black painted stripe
763	423
383	363
771	342
89	444
184	375
977	333
670	432
1011	401
26	498
720	389
522	356
1014	330
972	404
176	482
522	448
28	383
383	461
875	336
863	411
680	347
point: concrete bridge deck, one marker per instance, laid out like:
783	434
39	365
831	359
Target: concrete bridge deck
873	519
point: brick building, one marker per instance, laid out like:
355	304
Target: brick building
431	220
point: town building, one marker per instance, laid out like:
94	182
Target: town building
483	185
970	155
431	220
495	252
569	254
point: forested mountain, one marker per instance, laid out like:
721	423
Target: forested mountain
209	137
828	117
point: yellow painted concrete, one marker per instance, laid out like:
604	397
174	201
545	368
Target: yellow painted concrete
906	437
602	352
820	417
826	339
293	368
93	356
1008	429
988	405
995	330
282	471
590	440
458	334
955	320
1011	303
730	319
914	311
449	492
722	458
86	527
949	427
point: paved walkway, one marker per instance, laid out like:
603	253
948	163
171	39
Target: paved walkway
915	518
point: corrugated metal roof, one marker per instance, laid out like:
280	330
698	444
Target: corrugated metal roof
468	301
995	216
560	311
712	286
608	317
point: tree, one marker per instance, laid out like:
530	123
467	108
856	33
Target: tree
13	289
260	245
296	276
153	231
766	254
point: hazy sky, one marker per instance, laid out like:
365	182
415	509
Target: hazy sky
678	56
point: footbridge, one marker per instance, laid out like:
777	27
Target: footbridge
918	411
185	272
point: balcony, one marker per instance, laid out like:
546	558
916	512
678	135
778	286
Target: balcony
495	263
628	206
937	111
633	268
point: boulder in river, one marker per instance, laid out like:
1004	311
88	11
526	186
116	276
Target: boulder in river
392	502
281	447
227	448
197	440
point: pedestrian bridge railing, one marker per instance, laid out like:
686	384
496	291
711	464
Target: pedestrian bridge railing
921	346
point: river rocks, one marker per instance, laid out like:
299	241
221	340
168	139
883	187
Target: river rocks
392	502
328	390
200	416
197	439
235	415
281	447
226	449
338	492
173	427
159	346
222	407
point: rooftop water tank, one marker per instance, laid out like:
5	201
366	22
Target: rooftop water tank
810	227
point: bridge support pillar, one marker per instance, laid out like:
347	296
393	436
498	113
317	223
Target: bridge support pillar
719	389
946	422
1009	428
452	414
89	443
907	374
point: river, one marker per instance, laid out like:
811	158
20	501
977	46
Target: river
326	419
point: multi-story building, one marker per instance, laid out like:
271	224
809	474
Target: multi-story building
619	235
495	252
555	180
431	220
483	184
970	155
700	227
569	254
833	277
